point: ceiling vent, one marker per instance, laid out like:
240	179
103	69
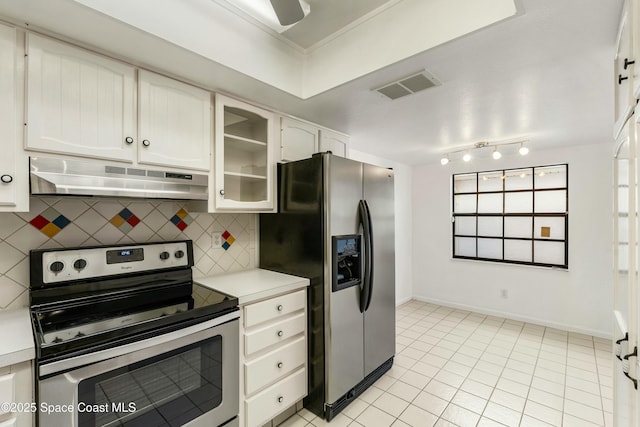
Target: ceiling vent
408	85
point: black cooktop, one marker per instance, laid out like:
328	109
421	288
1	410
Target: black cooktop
79	329
76	311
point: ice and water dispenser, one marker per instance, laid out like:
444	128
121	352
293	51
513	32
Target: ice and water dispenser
347	266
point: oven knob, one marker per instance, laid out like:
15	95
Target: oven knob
179	254
80	264
164	255
56	266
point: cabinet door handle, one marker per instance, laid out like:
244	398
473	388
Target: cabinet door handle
627	63
222	192
280	365
280	333
6	179
128	140
146	142
280	399
620	79
279	307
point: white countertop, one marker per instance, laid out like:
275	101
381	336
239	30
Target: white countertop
17	337
253	285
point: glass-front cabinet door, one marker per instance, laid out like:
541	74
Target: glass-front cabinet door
244	165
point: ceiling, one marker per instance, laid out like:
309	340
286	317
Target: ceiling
544	74
327	17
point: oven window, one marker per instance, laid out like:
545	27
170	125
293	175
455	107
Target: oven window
167	390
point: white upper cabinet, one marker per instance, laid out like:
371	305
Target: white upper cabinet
299	140
14	184
175	123
335	142
84	104
244	162
78	102
623	70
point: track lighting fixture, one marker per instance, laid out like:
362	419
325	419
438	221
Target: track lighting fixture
495	154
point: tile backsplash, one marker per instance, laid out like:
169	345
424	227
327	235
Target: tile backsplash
57	223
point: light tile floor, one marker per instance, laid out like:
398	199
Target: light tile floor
458	368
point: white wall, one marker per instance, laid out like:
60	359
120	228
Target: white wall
580	299
403	220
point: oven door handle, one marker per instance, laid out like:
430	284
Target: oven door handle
175	339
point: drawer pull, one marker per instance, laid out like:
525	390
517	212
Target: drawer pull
280	365
279	307
280	399
6	179
280	333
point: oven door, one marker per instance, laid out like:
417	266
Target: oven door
185	377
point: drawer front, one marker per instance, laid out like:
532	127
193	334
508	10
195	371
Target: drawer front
268	403
274	334
7	389
274	308
270	367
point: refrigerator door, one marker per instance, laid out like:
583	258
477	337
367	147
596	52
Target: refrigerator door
343	319
379	317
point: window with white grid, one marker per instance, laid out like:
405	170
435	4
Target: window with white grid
515	216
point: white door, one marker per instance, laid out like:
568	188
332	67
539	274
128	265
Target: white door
334	142
175	123
13	175
79	103
625	279
299	140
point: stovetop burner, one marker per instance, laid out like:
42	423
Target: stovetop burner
121	293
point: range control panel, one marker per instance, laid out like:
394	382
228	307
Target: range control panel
86	263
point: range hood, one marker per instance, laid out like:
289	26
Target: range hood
51	176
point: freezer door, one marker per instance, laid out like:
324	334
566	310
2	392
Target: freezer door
379	318
343	320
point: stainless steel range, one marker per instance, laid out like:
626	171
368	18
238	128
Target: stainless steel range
125	338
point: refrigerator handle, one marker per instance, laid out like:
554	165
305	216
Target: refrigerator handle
369	255
364	221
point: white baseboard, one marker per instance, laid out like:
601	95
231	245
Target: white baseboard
515	316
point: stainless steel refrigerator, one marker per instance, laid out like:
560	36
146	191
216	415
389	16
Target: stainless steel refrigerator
335	226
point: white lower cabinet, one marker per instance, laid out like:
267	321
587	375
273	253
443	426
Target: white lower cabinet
273	357
16	389
274	365
280	396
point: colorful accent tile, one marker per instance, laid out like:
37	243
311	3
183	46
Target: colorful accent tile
181	219
125	220
228	240
117	221
50	222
